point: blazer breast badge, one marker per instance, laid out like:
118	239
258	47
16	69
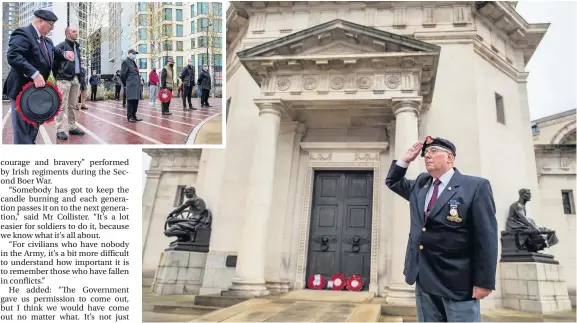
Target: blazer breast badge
454	212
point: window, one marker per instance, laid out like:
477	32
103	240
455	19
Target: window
141	34
179	14
217	59
217	8
192	27
142	6
167	30
216	42
167	45
192	43
164	60
500	108
202	41
534	128
142	63
217	25
143	75
179	31
202	59
192	58
202	8
142	48
179	46
179	197
142	20
179	60
568	206
178	4
202	24
167	14
192	10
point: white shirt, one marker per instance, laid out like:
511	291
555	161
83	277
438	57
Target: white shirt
445	178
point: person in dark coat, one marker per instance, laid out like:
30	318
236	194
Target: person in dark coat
453	241
187	77
167	82
130	78
93	85
204	84
117	85
30	54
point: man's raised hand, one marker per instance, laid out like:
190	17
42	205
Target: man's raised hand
413	152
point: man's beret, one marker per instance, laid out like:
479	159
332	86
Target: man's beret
46	15
439	142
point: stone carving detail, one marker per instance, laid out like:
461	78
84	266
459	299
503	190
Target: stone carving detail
366	157
310	83
392	82
283	83
364	82
337	83
328	156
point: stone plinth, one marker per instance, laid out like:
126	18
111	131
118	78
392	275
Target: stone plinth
534	287
179	273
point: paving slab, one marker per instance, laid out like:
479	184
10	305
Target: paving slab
329	296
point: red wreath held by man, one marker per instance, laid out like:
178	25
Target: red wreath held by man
164	95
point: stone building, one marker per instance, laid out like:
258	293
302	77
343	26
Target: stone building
322	97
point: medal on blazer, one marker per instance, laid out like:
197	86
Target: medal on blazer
454	212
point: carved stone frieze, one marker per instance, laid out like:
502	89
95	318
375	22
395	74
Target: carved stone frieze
337	83
392	82
364	82
366	156
320	156
310	82
283	83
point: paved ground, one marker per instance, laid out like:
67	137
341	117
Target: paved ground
105	123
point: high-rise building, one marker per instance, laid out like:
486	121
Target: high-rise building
120	15
179	30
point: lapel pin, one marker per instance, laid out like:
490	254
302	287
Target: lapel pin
449	188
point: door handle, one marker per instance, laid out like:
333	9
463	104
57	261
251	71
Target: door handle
357	242
324	241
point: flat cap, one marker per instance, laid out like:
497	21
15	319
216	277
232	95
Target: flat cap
45	14
132	51
438	142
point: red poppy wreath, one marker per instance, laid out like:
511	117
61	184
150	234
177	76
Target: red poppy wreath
317	281
339	280
355	283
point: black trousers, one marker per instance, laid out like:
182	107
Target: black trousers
93	92
131	108
165	106
117	92
124	98
186	94
204	97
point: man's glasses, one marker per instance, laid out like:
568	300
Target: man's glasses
435	150
51	23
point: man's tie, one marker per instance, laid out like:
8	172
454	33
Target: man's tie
433	197
45	49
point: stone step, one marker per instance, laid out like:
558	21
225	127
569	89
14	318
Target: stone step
329	296
217	300
184	309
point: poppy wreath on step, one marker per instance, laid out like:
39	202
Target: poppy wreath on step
354	283
317	281
339	280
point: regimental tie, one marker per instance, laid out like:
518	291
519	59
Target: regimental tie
45	49
433	197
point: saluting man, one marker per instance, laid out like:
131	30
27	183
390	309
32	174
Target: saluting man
30	54
452	249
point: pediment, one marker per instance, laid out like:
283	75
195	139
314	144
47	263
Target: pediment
330	37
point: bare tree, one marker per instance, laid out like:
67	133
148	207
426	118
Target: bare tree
91	34
214	38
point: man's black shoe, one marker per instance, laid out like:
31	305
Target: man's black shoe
76	132
61	136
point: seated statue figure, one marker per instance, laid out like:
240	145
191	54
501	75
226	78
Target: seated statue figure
184	221
529	237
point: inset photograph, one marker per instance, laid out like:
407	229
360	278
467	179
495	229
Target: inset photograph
112	73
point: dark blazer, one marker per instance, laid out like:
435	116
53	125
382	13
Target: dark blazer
204	80
187	76
130	79
455	256
25	56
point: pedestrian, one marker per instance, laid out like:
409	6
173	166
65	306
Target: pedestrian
93	85
83	92
141	87
152	86
452	250
187	77
117	85
167	82
30	54
130	78
67	74
204	84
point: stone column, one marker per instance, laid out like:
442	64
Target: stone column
249	276
406	134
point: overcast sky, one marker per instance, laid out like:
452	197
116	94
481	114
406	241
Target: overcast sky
552	83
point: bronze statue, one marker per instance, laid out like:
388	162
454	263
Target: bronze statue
528	236
184	222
